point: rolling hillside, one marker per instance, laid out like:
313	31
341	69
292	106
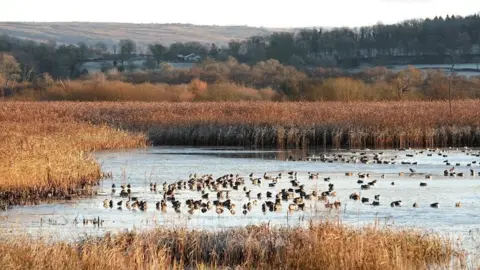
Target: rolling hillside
110	33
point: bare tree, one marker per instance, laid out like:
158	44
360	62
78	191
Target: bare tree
406	80
158	51
404	84
101	47
27	73
127	48
9	70
82	51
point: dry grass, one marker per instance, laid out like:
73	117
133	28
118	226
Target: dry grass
303	124
323	246
42	158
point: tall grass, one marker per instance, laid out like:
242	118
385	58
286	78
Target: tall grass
322	246
42	158
262	124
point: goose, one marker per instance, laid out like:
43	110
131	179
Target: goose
124	193
396	204
364	187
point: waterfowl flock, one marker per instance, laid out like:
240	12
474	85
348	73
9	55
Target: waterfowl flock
287	191
221	194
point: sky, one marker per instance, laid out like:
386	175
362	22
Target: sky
266	13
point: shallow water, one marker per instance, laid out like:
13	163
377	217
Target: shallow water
169	164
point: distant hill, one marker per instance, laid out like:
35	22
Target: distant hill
111	33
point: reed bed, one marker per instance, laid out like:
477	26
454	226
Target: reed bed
278	124
41	159
321	246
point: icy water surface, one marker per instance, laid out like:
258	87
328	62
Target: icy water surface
170	164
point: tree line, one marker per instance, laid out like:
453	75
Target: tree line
452	36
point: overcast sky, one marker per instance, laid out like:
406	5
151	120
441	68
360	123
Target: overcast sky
268	13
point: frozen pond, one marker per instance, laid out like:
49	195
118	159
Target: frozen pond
171	164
